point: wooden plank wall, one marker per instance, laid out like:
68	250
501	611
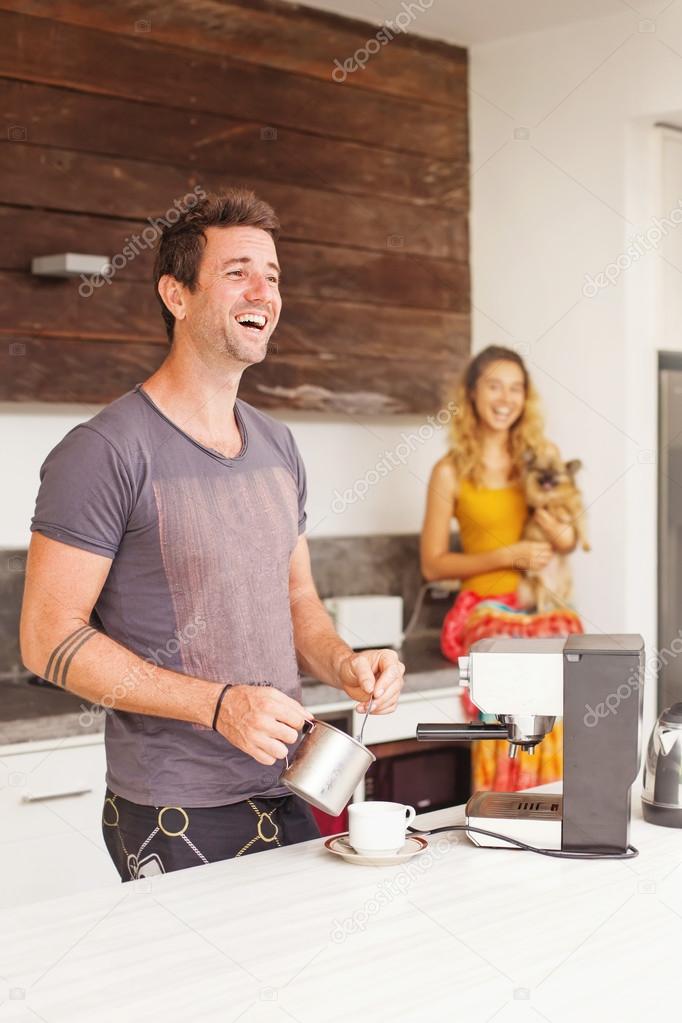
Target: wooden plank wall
113	111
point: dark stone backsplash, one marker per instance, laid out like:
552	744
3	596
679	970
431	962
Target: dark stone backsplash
353	565
342	566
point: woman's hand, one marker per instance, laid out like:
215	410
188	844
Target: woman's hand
560	534
529	554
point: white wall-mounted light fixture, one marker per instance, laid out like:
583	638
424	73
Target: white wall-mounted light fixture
68	264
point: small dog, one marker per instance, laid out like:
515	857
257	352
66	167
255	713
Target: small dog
550	483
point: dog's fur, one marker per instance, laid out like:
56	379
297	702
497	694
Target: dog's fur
550	483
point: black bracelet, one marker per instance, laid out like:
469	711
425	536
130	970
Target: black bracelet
227	686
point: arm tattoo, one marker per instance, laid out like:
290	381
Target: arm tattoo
64	653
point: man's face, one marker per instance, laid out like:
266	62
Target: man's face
238	278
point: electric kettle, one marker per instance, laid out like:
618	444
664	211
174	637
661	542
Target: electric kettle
662	795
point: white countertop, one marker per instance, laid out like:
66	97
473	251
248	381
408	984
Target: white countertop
297	934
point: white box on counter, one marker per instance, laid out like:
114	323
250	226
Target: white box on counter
372	620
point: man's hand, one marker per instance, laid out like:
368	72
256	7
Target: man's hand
261	721
373	672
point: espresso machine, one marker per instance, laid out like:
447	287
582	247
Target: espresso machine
593	682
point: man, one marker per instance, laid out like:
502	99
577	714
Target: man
168	577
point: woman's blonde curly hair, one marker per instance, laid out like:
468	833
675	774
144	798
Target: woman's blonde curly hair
526	435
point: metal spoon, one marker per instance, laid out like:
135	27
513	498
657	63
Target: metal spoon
369	711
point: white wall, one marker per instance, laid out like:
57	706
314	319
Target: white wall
566	170
364	475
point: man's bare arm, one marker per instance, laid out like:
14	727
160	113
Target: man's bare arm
322	652
58	643
319	648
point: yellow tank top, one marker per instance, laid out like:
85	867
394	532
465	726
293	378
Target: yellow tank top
490	518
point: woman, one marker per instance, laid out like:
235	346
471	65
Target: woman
480	482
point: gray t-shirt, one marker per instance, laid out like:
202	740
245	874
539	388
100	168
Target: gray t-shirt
199	581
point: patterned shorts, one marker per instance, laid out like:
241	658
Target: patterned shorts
148	840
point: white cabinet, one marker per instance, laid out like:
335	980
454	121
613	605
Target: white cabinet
51	796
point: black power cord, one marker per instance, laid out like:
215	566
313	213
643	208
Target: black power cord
629	854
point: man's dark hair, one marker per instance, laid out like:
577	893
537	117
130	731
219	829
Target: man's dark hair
181	244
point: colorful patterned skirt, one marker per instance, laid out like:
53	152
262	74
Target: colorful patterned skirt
474	617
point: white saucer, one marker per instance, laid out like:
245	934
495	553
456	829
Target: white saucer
340	846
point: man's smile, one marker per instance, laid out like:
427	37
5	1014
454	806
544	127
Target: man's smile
252	322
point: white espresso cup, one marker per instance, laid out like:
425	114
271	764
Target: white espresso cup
377	828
